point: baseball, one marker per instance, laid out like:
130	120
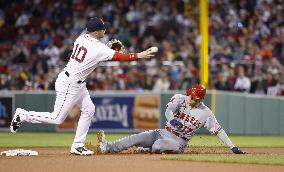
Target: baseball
154	49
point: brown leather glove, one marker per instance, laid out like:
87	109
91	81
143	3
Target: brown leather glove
116	45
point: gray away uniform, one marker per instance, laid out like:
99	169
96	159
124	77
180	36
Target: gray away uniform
174	139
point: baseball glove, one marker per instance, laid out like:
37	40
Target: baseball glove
116	45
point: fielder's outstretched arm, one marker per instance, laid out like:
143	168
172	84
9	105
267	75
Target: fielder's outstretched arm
118	56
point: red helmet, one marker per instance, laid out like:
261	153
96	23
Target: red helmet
197	91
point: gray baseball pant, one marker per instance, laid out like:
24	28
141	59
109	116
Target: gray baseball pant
158	141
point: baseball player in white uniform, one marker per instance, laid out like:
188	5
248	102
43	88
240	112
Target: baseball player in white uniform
185	115
70	85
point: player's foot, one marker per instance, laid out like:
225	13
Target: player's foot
81	151
143	150
102	142
16	121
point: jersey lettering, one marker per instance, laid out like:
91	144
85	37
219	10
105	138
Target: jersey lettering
186	130
188	118
81	58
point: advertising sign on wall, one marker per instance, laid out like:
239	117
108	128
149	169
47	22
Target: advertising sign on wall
6	104
113	112
120	112
136	112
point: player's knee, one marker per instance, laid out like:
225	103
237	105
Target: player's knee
57	118
90	111
166	146
93	109
156	148
159	149
58	121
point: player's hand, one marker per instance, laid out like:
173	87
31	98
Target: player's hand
175	123
236	150
148	53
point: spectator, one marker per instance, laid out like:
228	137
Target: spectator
52	52
162	82
39	36
221	83
257	82
23	19
243	83
269	83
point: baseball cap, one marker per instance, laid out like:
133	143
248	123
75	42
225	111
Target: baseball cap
96	23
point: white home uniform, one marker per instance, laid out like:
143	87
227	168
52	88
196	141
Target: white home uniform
172	138
71	89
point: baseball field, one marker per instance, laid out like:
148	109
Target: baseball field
204	153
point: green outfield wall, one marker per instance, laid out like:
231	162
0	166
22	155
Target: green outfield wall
241	113
238	113
40	102
250	114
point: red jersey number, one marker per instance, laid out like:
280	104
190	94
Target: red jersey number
82	51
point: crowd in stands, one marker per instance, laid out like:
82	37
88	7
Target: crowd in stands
246	44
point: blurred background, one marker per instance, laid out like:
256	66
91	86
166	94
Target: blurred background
245	51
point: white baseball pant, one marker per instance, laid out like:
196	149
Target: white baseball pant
68	93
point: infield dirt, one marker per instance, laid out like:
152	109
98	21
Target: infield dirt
59	159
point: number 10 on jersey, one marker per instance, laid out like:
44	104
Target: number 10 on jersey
79	54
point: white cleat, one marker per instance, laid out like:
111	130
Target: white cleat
143	150
102	142
81	151
16	121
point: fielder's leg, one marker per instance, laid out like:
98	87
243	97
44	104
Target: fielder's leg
144	139
63	105
87	112
66	96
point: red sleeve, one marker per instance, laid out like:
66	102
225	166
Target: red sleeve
125	57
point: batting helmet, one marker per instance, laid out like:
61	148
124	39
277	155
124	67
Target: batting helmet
197	91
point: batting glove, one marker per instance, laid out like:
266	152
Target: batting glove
236	150
175	123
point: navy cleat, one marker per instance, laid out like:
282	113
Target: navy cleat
81	151
16	122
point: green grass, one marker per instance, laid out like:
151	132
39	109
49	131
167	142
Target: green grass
37	139
241	141
246	159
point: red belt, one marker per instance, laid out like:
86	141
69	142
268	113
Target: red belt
169	129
